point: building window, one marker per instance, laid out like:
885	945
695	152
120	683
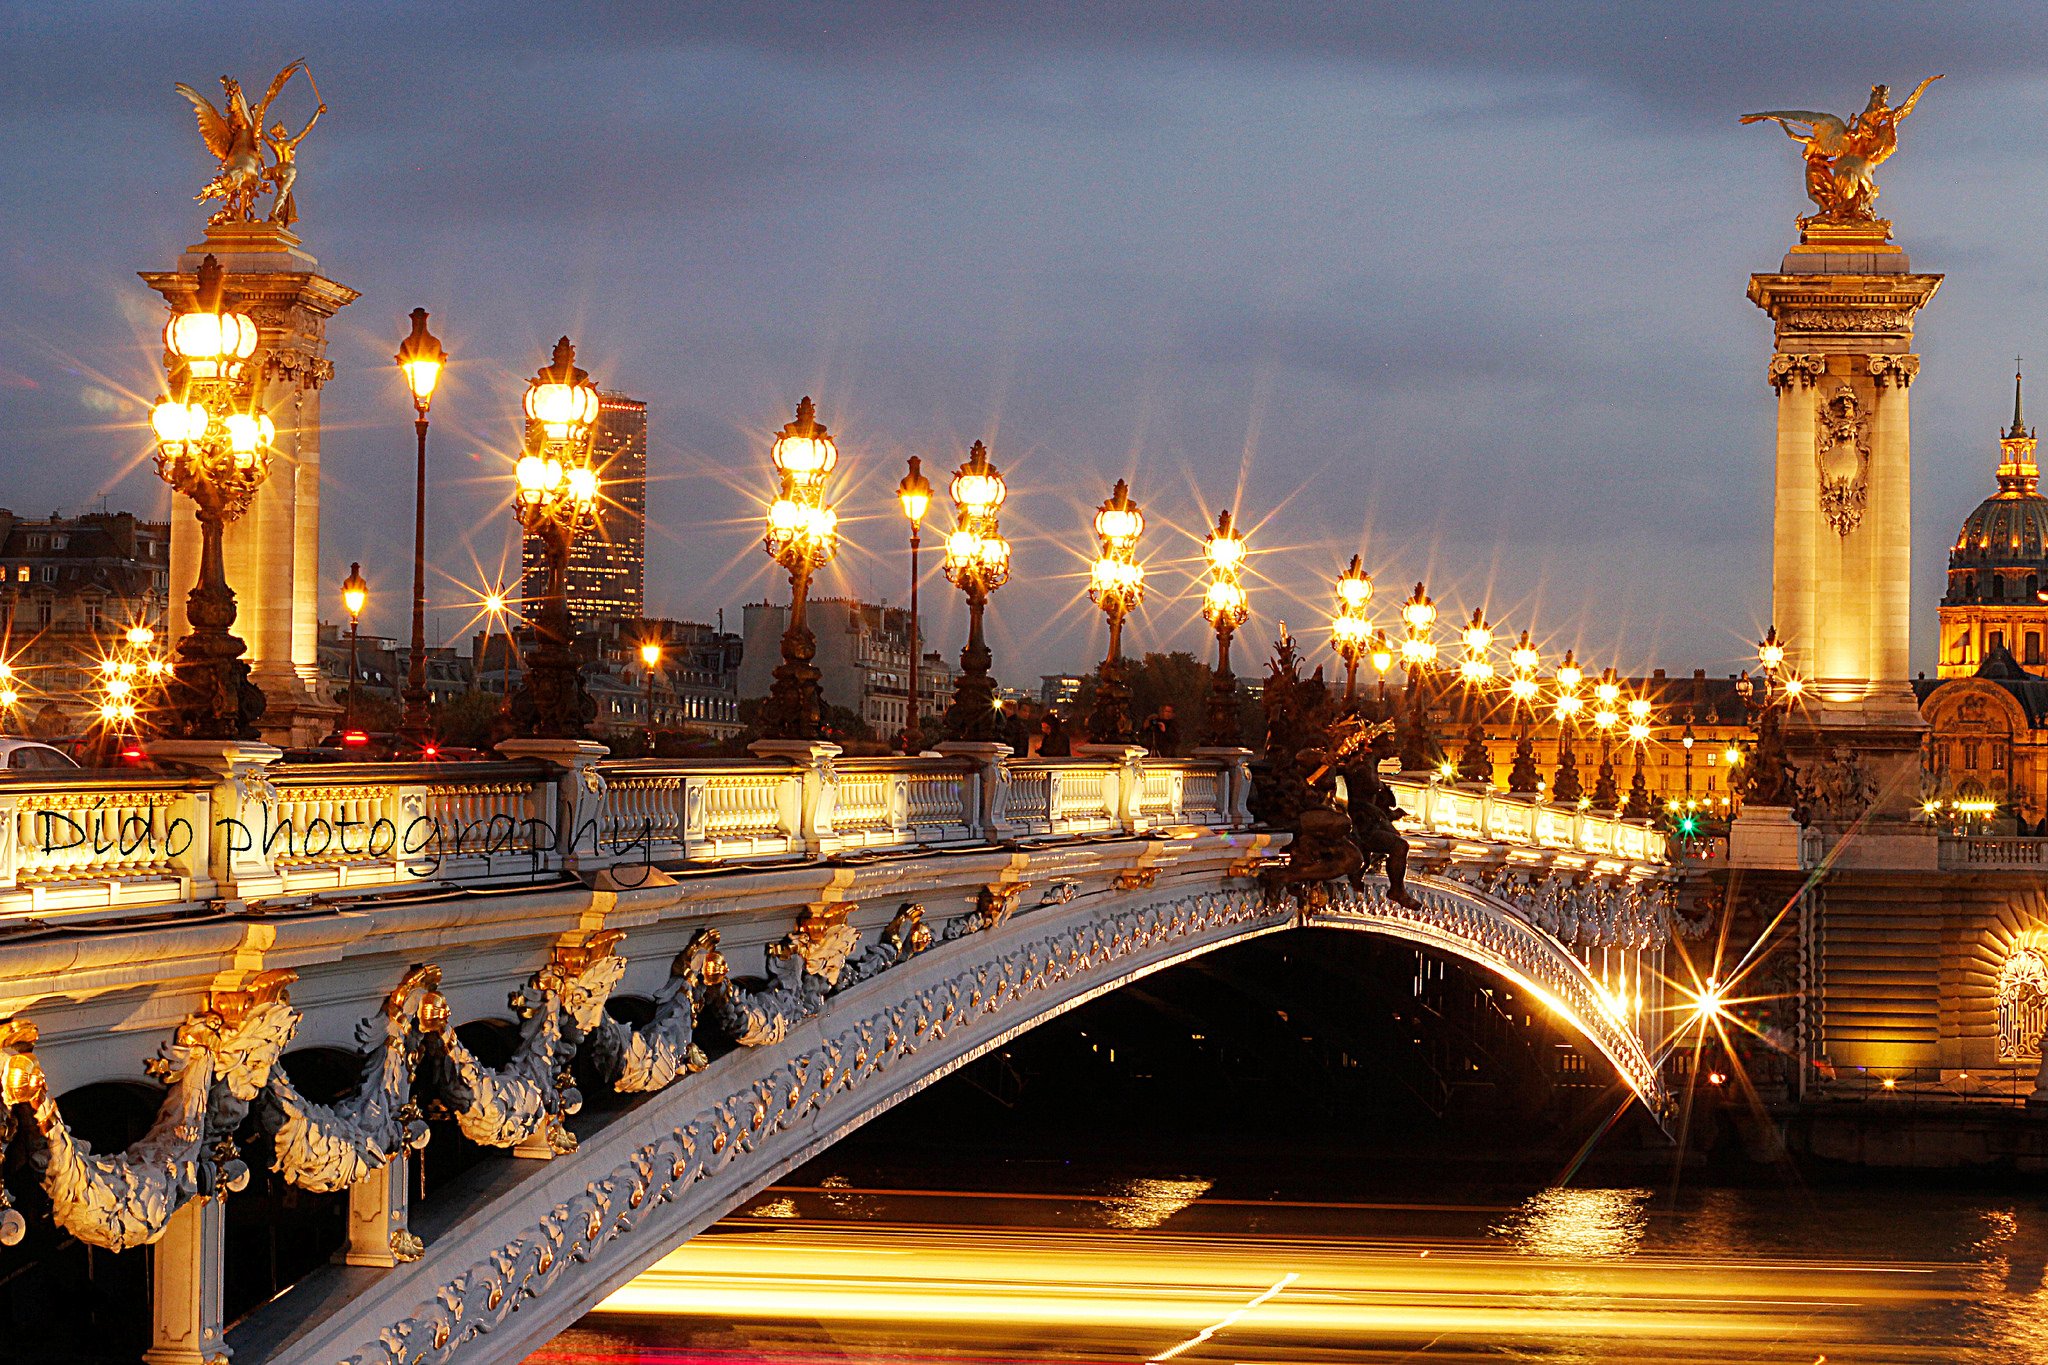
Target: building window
2033	646
21	573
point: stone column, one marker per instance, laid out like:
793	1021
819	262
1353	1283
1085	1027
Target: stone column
1891	526
1794	551
273	552
186	1274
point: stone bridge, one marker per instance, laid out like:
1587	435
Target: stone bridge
700	975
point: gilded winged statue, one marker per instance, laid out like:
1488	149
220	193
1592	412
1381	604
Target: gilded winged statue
235	137
1842	156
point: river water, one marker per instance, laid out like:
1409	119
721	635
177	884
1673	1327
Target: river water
1206	1261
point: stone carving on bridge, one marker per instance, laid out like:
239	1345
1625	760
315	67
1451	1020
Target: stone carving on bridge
992	905
1842	451
755	1011
1839	789
324	1148
609	1208
526	1102
638	1060
905	936
216	1064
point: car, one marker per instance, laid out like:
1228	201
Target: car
32	756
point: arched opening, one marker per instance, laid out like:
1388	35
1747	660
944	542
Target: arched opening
275	1231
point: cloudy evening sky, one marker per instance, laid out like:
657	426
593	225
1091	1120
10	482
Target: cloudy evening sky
1458	287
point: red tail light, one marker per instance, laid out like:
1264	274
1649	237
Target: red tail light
355	737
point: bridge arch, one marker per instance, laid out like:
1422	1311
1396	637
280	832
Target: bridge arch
504	1275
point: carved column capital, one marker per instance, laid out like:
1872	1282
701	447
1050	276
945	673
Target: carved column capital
1787	369
1894	369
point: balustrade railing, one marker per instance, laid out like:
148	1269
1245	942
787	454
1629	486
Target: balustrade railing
85	843
1985	852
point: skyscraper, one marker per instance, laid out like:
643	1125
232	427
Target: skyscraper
608	565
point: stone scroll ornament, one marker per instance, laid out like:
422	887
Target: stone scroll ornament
324	1148
1842	449
216	1065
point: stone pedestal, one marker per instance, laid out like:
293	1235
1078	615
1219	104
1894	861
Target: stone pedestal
1130	761
234	823
1237	774
187	1273
579	795
1765	838
1843	304
991	783
816	794
273	552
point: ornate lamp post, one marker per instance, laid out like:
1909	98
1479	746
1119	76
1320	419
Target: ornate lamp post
1638	735
213	443
421	360
977	562
1350	631
557	494
1418	651
1607	693
1117	585
355	594
1523	778
915	493
1688	739
1474	763
1381	654
1768	780
1566	787
650	664
1225	607
803	533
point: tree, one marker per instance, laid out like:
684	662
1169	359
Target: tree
468	719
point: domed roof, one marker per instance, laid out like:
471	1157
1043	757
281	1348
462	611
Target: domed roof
2008	530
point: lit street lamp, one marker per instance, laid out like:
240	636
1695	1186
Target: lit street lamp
1638	807
355	595
1350	630
977	562
213	443
1607	693
1523	778
1226	607
420	360
1381	653
915	493
803	533
1418	651
1475	764
1117	584
1565	787
557	494
650	664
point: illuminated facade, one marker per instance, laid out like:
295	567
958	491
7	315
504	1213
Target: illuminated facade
69	588
608	563
863	661
1999	567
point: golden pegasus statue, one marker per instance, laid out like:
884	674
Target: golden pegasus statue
1842	156
235	137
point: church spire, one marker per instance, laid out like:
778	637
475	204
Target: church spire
2018	474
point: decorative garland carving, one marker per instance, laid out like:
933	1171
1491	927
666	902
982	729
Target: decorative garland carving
634	1061
215	1065
1846	320
906	935
992	905
529	1098
756	1011
324	1148
610	1207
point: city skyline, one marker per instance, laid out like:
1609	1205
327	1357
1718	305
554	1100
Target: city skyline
1420	378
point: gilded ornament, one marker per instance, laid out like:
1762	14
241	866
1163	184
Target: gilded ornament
1842	156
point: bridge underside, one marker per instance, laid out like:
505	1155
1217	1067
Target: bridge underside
530	1246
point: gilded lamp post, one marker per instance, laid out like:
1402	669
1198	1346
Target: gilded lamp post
1474	763
557	495
977	562
803	533
1350	629
213	443
1606	695
1565	787
1224	606
650	665
1116	583
1523	778
1638	807
1418	651
420	360
355	595
914	492
1381	655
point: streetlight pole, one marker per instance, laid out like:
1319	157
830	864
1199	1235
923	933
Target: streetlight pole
1639	736
557	494
1351	630
213	443
803	533
650	661
1226	607
1688	740
1475	764
1565	787
915	494
1382	656
978	562
420	359
1606	794
1523	778
355	593
1418	651
1117	584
